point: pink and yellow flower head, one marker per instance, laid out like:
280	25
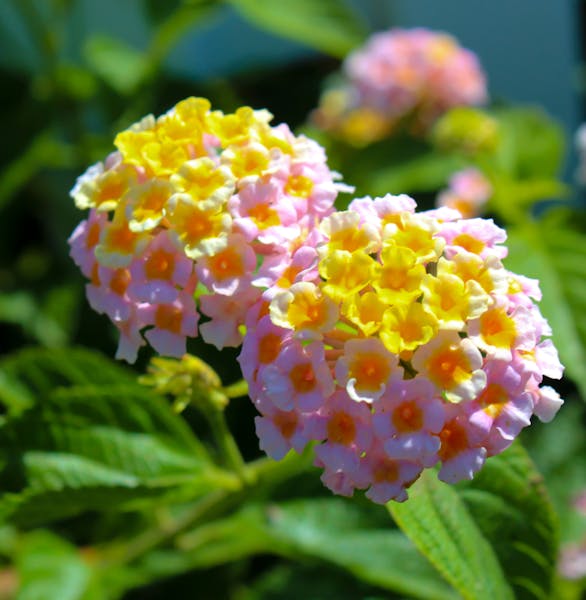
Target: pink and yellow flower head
409	344
400	75
392	340
198	200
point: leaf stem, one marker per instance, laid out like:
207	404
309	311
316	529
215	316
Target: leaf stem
152	538
265	472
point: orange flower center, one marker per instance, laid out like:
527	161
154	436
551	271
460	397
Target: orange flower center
120	280
160	265
303	378
286	423
341	429
268	348
386	472
168	317
493	399
454	440
407	417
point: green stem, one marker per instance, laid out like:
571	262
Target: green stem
153	538
225	440
266	473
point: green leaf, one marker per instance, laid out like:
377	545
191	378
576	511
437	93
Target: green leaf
292	582
557	257
511	507
531	143
93	445
334	531
44	151
120	66
101	449
559	450
436	519
328	25
426	173
49	324
50	567
40	370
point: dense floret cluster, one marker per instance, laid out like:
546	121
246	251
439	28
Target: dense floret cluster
411	345
197	204
401	74
390	339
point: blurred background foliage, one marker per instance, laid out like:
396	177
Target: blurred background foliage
75	72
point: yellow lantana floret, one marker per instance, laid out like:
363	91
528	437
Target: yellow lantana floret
145	204
200	232
495	332
407	326
345	273
186	125
346	233
248	160
417	233
365	369
132	141
118	244
304	309
238	127
365	310
206	183
488	273
452	301
399	277
453	365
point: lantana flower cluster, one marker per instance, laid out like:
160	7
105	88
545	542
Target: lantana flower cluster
190	215
391	340
411	346
400	75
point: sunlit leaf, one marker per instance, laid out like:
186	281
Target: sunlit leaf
510	505
531	143
119	65
41	370
102	443
328	25
438	522
330	530
50	567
